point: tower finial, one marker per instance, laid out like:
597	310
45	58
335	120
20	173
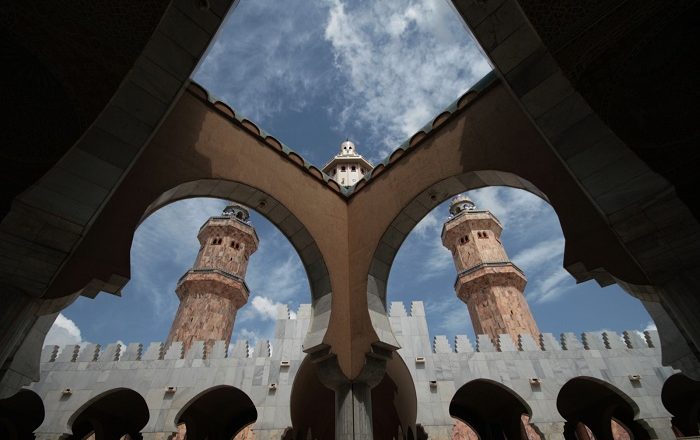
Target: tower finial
460	204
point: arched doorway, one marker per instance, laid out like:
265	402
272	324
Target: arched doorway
606	412
110	416
20	415
681	397
492	410
218	413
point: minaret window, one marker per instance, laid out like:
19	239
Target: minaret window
216	241
353	168
342	168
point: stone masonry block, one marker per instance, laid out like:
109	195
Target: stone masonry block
634	339
132	352
505	343
463	344
569	341
527	343
484	344
613	341
593	341
48	354
89	353
110	353
549	343
441	344
154	352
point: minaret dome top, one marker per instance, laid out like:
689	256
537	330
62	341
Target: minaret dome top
347	148
236	211
460	204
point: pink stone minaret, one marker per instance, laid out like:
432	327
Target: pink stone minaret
214	289
487	281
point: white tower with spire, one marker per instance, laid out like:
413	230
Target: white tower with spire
347	167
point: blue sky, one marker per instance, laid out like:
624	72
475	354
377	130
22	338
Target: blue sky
313	74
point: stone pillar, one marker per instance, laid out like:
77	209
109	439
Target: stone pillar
353	412
353	398
549	430
487	281
214	289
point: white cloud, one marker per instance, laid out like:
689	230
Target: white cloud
404	61
448	317
265	60
63	332
265	307
544	252
429	225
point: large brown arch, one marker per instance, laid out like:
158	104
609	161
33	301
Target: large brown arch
110	415
465	151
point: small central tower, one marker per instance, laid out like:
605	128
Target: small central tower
487	281
347	167
214	289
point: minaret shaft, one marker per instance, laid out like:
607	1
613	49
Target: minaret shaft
487	281
214	289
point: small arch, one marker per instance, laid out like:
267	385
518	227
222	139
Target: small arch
20	415
681	397
112	414
496	417
218	412
599	406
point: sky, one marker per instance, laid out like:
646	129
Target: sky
313	74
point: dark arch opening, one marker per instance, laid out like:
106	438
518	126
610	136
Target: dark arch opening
218	413
110	416
20	415
394	402
497	418
681	397
597	404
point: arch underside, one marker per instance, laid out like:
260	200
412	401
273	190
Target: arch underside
596	404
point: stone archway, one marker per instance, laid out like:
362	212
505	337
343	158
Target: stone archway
606	411
500	416
218	413
110	415
681	397
20	415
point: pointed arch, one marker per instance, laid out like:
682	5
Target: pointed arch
110	414
217	412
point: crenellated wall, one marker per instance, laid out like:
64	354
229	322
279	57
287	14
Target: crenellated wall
438	368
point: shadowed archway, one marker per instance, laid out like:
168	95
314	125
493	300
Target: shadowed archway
681	397
595	404
110	416
20	415
218	413
497	417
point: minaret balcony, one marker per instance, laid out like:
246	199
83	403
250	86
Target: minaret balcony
499	271
214	281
